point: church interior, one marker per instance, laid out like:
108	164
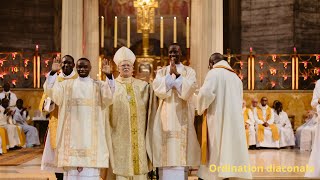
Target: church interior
272	45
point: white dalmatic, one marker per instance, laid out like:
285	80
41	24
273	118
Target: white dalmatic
285	128
314	160
13	135
81	125
251	122
222	95
306	132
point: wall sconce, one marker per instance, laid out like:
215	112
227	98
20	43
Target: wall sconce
14	82
318	58
273	71
316	71
13	56
261	64
261	76
14	69
285	65
26	75
2	75
273	84
274	58
1	62
240	76
241	64
305	64
285	77
26	61
46	62
305	77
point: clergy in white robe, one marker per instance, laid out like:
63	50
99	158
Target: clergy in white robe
306	132
173	142
6	93
81	144
128	120
48	162
284	125
249	124
20	116
314	160
7	122
221	95
267	132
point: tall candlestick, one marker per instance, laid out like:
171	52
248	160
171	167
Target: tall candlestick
100	67
128	32
187	34
102	32
38	72
34	71
175	30
161	32
115	32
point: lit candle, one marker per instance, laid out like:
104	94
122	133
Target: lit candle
188	31
115	32
37	47
102	32
175	30
161	32
250	49
38	72
128	32
294	49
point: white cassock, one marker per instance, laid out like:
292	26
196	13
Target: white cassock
81	125
314	160
32	136
285	129
12	131
222	96
305	134
251	122
171	137
268	139
11	96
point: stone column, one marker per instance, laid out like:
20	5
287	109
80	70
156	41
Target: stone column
80	31
206	34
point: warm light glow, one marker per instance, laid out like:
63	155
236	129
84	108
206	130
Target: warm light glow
294	49
241	64
250	49
273	84
316	71
14	82
26	62
305	64
274	58
13	56
285	65
285	77
261	76
26	75
261	64
14	69
241	76
2	75
37	47
317	58
273	71
305	77
1	62
46	62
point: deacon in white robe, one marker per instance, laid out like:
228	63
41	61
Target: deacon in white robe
48	161
6	121
20	116
6	93
267	132
221	95
284	125
249	124
306	132
81	144
314	160
173	143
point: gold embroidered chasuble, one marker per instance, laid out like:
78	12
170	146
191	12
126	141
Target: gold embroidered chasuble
128	118
81	125
172	140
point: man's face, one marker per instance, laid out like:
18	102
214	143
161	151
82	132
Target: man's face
83	68
67	65
6	87
254	103
19	104
264	101
125	69
174	54
5	103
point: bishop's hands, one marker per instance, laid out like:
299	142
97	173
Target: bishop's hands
107	67
56	65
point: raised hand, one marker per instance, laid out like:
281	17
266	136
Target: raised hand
106	66
56	65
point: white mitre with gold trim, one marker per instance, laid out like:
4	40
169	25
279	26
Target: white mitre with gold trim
124	54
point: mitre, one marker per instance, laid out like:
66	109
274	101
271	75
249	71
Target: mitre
124	54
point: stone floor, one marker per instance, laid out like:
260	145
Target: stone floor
266	162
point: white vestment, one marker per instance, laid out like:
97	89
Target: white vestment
314	159
171	136
11	96
252	131
48	161
222	96
81	125
285	129
268	140
12	131
32	136
305	134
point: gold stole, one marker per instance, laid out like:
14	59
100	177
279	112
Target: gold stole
5	140
273	127
22	136
134	128
245	118
204	141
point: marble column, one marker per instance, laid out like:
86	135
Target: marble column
206	34
80	31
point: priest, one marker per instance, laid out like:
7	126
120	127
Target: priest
81	145
128	120
172	140
221	95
